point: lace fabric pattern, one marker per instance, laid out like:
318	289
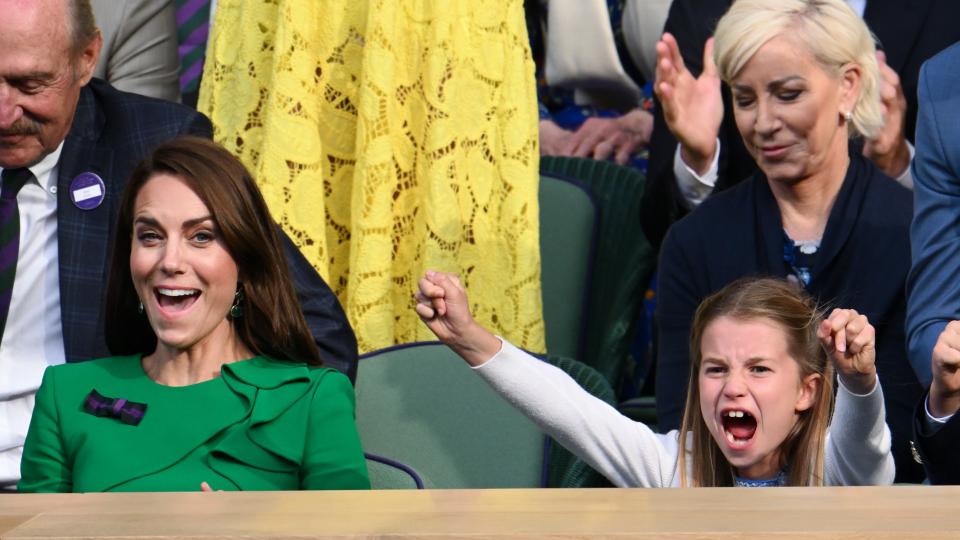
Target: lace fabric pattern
388	137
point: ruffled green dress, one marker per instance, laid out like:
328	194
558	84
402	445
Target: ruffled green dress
263	424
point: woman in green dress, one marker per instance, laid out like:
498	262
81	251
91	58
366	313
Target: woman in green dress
217	383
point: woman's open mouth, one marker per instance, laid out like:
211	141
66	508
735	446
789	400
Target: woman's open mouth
774	152
175	300
739	427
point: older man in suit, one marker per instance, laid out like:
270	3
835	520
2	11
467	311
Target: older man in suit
67	144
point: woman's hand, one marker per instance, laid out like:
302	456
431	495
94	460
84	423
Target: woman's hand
442	305
620	137
205	487
945	390
889	150
850	341
692	108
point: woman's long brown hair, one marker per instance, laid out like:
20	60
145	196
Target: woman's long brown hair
272	323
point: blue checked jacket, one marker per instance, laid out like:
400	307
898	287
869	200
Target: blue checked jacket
111	132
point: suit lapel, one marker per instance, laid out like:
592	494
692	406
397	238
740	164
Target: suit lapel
84	235
843	216
897	25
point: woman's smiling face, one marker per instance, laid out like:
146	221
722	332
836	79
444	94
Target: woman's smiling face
182	272
789	111
751	392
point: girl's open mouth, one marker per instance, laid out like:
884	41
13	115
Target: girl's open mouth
739	426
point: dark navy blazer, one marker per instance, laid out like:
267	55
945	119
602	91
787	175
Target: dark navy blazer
111	132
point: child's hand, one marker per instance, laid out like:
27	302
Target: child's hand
850	341
442	306
945	390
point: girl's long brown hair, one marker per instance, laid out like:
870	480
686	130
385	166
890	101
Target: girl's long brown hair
802	452
272	323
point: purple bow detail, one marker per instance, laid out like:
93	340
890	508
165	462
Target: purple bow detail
128	412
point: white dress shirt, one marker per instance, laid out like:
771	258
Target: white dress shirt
33	337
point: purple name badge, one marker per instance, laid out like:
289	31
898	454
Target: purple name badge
87	191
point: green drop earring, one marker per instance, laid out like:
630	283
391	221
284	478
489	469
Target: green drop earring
236	311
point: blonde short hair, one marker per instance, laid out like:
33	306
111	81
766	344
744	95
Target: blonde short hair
834	35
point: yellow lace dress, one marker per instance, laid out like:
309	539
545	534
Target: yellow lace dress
388	137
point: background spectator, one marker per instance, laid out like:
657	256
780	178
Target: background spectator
594	100
139	51
909	32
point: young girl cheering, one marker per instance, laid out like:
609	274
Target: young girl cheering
758	411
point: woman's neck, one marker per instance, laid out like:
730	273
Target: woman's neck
805	205
172	366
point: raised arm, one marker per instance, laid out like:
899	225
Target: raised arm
671	187
858	441
692	107
442	306
628	453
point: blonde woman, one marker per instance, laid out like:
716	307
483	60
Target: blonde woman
805	80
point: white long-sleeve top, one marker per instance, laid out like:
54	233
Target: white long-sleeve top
630	454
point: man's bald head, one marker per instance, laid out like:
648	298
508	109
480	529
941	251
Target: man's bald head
48	51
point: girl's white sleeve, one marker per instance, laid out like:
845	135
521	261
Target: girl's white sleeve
628	453
858	441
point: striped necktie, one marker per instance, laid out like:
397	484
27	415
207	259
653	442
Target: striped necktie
193	26
13	180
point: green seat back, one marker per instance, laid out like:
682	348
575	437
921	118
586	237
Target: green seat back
623	263
567	228
420	404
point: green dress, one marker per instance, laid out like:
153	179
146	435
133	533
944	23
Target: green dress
263	424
